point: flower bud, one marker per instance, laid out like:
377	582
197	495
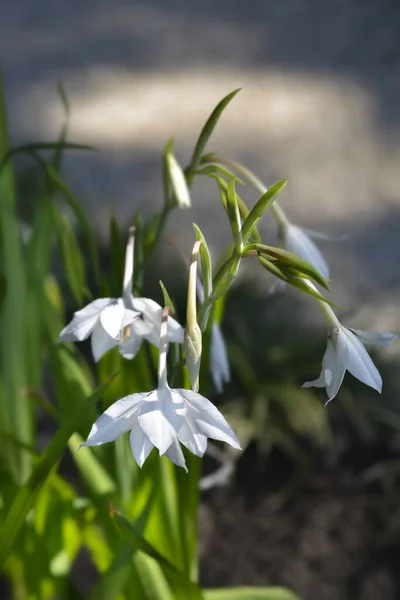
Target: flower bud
193	338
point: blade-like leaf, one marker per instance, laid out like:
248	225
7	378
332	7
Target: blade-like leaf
208	129
260	207
15	412
250	593
183	588
38	146
28	493
71	256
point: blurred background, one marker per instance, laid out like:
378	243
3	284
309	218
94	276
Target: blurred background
314	499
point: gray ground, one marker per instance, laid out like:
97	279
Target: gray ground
320	104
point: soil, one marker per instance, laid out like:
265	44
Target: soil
331	538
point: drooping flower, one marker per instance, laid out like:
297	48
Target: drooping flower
164	418
122	322
345	351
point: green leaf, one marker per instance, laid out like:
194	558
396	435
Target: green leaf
183	588
75	206
92	472
167	299
71	256
208	129
15	411
260	207
206	264
250	593
38	146
27	494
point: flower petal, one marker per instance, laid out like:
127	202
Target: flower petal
116	420
299	243
149	325
130	345
219	364
175	454
359	362
333	369
161	416
112	318
374	338
101	342
208	419
84	321
140	444
190	436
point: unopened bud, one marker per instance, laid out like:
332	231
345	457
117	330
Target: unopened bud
192	341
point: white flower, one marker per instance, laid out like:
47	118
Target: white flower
297	241
345	351
164	419
122	322
103	320
219	364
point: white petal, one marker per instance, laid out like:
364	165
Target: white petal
161	416
333	369
191	437
140	444
130	315
176	332
374	338
112	318
208	419
219	365
84	321
101	342
299	243
130	346
116	420
150	323
359	363
175	454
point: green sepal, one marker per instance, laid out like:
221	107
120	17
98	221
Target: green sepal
294	263
260	207
292	279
